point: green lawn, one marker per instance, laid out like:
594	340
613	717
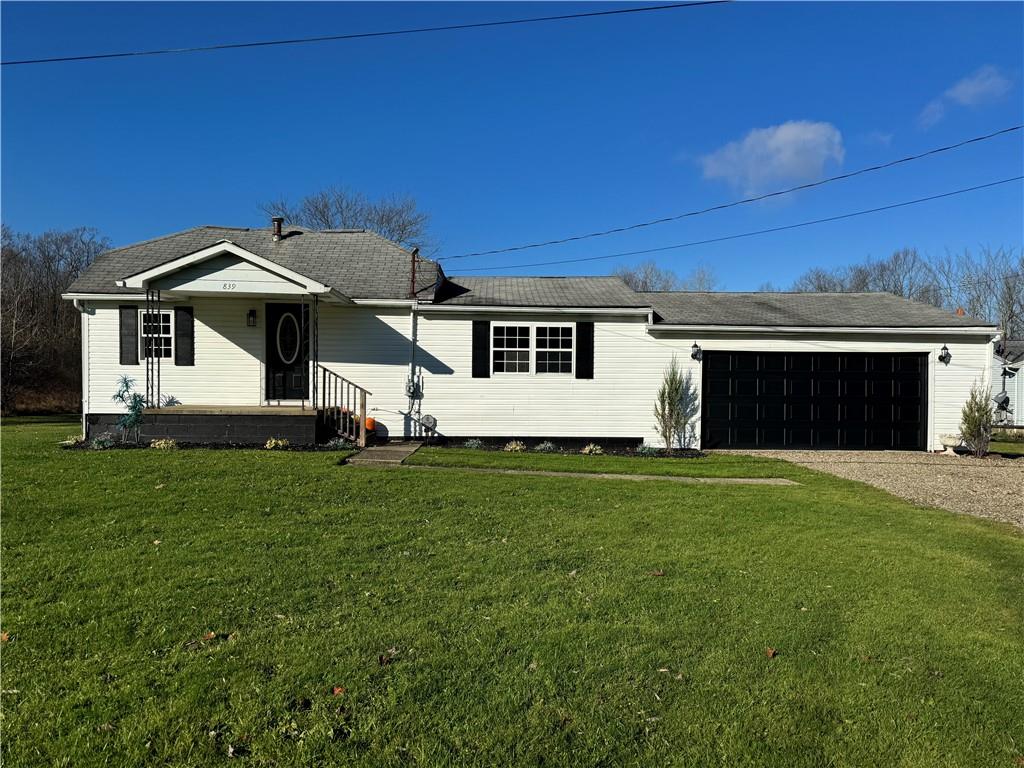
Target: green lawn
1007	448
486	620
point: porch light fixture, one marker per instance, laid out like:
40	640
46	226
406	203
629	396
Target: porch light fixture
250	318
695	351
944	356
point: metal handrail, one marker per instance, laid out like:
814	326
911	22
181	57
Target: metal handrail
343	404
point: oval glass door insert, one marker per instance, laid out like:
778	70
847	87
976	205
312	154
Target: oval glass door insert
288	338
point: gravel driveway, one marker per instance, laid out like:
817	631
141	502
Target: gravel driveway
992	487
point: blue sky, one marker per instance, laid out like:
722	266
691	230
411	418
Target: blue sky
527	133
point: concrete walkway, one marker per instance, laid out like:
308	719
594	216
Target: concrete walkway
614	476
387	455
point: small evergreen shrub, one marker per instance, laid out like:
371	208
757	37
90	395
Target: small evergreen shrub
592	449
546	447
976	421
165	444
276	443
514	446
102	441
645	449
473	444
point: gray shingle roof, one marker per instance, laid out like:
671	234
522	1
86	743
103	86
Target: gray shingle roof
1013	350
356	263
857	310
540	292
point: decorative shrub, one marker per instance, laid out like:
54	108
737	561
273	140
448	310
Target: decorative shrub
165	444
102	441
473	444
134	403
976	420
592	449
339	444
514	446
647	450
276	443
546	447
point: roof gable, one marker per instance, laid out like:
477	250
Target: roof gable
355	263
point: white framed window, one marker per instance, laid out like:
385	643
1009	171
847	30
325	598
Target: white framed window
510	348
156	334
553	347
538	349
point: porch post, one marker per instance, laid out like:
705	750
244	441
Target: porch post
362	417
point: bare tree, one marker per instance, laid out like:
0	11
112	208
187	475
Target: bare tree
39	331
394	217
988	285
648	276
702	278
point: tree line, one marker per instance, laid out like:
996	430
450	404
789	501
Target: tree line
40	333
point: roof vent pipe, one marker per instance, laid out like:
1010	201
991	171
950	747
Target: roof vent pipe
276	222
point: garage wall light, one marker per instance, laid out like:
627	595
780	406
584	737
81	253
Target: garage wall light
250	318
695	351
944	356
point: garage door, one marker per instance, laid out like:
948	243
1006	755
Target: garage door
814	400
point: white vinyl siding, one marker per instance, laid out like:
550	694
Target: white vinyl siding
227	368
227	274
371	346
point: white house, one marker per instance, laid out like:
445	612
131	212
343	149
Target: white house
294	333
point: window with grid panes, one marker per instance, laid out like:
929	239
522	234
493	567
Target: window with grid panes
510	349
553	349
155	338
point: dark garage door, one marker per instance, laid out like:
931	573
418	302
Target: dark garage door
814	400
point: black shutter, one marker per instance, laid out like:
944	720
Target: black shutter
584	350
184	336
481	349
129	332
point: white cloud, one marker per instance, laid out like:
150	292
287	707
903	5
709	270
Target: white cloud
984	86
933	112
794	152
879	137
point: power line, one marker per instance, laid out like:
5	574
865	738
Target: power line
745	201
362	35
755	232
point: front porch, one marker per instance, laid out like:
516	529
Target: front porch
272	329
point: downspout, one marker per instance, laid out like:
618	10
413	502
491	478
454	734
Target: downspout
80	305
412	384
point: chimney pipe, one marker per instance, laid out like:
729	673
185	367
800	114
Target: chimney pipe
412	272
276	222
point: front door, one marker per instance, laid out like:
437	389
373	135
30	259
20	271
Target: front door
287	352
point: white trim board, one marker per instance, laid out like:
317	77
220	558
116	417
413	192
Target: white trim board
142	279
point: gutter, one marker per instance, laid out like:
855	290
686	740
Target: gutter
634	311
916	330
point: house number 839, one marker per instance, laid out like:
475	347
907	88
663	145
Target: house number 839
228	287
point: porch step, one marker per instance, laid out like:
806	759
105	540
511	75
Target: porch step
390	454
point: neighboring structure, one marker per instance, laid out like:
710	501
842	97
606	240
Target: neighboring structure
297	333
1008	382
